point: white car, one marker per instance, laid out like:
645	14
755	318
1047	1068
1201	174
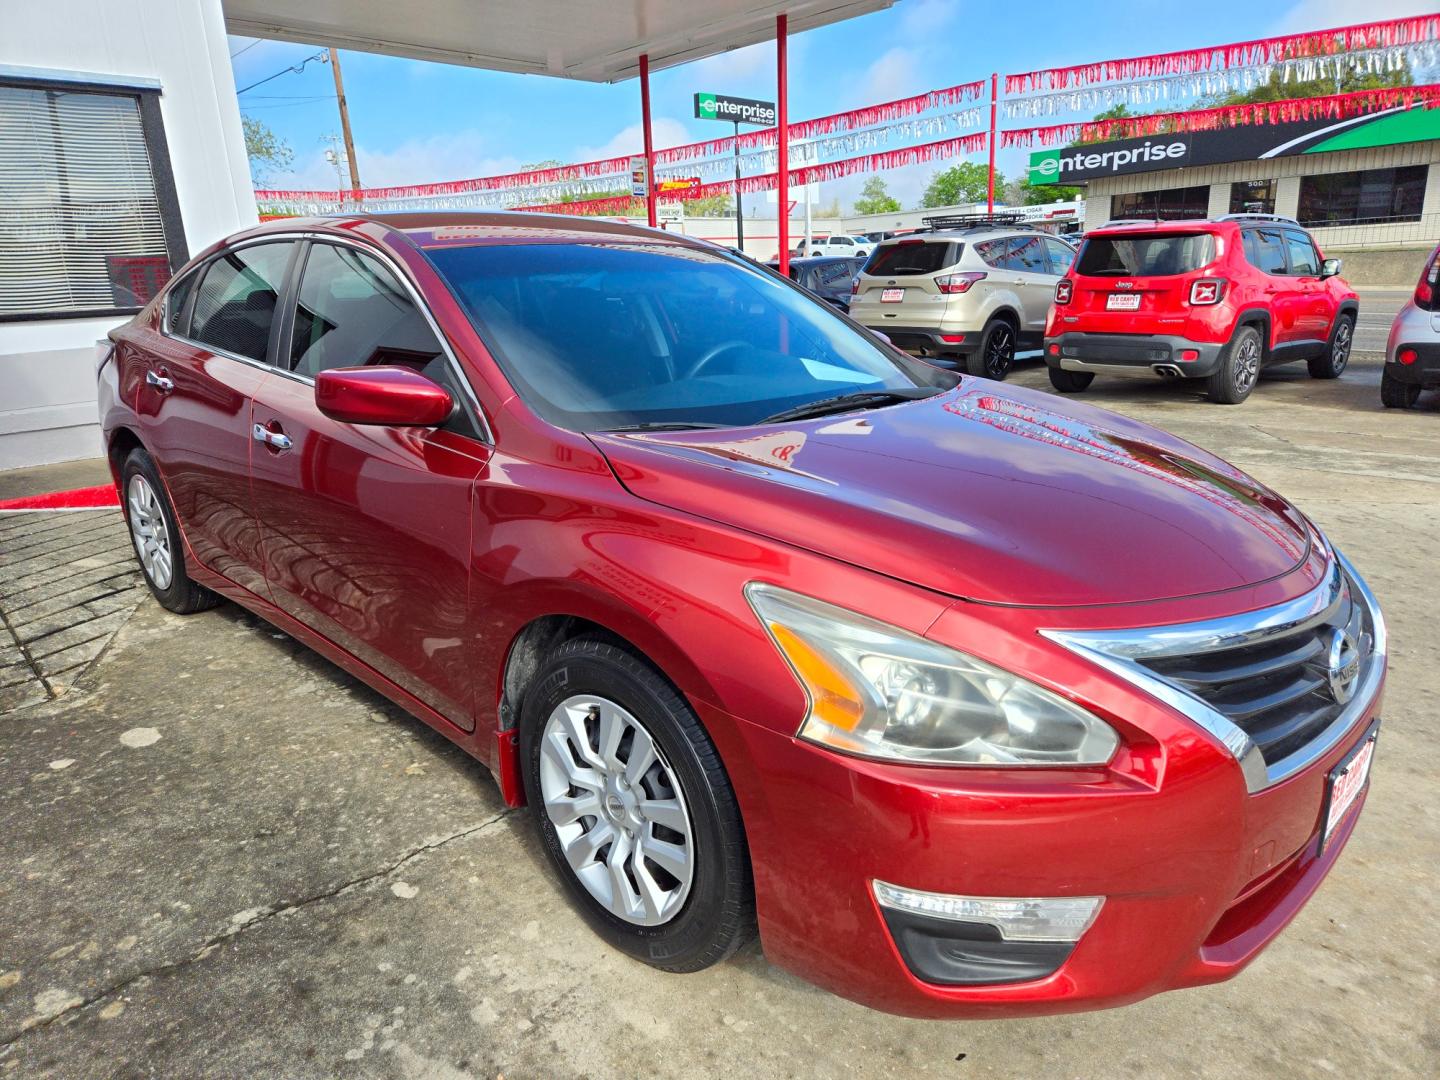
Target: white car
853	247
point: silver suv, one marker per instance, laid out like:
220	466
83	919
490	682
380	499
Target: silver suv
972	290
1412	355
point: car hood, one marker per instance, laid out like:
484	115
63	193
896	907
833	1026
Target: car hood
1005	496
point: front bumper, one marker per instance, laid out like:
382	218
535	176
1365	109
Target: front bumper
1197	867
1156	355
1424	372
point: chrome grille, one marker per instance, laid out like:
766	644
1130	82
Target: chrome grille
1279	687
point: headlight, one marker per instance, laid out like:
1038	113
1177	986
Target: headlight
882	692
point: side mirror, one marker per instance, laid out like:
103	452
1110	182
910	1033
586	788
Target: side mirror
394	396
1330	268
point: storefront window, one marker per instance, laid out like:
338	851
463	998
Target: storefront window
1252	197
1363	198
82	229
1171	204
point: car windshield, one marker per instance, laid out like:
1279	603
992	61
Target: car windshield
597	336
1151	255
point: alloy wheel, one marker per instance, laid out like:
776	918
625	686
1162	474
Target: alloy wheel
149	531
1340	349
999	352
617	808
1247	365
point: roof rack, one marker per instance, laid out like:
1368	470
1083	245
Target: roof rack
1258	217
1131	221
975	221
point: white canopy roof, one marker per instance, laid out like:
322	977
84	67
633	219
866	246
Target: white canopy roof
594	40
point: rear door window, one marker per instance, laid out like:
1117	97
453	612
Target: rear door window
842	241
912	258
1027	254
1265	250
1150	255
1062	255
1303	260
235	303
996	253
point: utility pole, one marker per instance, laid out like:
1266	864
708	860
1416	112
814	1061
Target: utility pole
345	122
739	203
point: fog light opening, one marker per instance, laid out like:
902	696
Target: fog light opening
1064	918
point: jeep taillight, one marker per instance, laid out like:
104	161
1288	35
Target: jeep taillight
958	283
1206	291
1429	281
1064	289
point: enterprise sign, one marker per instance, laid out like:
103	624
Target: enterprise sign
1183	149
741	110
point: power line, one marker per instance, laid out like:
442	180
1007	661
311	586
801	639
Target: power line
247	48
295	69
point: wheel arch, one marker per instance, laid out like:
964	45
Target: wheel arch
1260	319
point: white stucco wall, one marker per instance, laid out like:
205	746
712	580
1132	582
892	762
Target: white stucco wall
47	389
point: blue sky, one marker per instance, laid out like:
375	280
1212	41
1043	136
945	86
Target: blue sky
415	121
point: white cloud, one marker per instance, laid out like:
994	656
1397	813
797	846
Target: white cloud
665	131
1323	14
452	156
926	17
895	74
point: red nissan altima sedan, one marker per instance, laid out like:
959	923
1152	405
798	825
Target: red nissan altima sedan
975	702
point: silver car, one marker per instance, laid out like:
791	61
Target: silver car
1412	356
971	290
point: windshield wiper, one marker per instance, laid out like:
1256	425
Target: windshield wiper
665	425
846	402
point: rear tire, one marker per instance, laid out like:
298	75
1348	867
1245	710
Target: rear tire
1331	364
156	537
995	357
1239	369
1395	394
591	707
1070	382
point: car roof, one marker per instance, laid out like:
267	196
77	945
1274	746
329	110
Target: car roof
1207	225
442	228
978	233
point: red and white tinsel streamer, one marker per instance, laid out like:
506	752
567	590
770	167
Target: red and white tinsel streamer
1147	92
853	120
811	174
1273	50
1331	107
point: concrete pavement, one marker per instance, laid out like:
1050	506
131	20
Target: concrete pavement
222	857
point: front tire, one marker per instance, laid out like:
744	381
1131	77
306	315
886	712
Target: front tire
634	809
1239	368
1332	363
1395	394
156	537
996	354
1070	382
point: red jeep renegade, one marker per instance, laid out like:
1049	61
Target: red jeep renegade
1215	300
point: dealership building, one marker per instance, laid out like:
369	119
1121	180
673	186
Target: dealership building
1368	187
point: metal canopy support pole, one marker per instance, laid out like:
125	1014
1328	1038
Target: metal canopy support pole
990	191
649	141
782	143
739	206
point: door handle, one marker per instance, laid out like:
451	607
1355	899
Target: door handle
163	383
276	439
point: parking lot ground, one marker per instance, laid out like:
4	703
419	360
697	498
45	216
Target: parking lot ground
222	857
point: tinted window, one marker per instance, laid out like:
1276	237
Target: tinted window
843	241
235	303
603	335
1061	255
1303	261
1027	254
1165	205
175	300
1265	250
352	313
1150	255
1374	195
912	257
1252	197
996	253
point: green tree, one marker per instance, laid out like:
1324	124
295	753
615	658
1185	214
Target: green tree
875	199
268	153
1343	82
1023	194
710	206
964	182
